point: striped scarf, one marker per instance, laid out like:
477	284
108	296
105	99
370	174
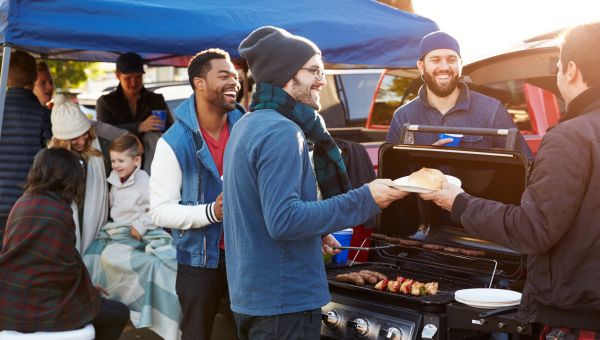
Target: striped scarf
330	170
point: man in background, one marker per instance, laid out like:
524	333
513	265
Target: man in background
44	85
25	130
444	100
130	106
44	91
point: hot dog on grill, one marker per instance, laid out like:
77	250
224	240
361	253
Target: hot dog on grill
368	277
353	278
379	275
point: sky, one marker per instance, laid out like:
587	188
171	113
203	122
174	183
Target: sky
484	26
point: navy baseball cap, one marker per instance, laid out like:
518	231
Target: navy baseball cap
437	40
130	63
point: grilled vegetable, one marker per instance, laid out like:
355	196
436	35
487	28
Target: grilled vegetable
393	286
406	286
416	288
431	288
382	285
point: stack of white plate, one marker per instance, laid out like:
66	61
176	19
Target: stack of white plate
490	298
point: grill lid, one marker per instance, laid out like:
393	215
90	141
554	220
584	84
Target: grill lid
499	175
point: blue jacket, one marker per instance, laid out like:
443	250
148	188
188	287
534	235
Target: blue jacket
25	130
273	222
472	109
201	184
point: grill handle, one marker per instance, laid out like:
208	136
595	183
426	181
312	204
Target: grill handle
407	133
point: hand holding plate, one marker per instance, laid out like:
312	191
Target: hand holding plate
445	197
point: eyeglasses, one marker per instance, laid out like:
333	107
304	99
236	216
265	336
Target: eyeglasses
319	73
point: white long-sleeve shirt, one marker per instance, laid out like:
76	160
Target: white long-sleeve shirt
165	194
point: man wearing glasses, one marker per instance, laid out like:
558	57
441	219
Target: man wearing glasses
272	220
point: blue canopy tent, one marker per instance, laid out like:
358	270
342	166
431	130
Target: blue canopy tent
350	33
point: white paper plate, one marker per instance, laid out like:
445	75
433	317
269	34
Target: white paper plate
486	305
404	185
488	296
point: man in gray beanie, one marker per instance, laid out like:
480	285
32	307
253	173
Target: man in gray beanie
446	101
272	220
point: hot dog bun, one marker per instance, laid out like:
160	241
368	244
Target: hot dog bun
427	178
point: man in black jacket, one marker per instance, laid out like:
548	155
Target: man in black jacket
25	130
556	225
130	106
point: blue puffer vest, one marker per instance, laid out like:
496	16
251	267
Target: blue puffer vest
201	184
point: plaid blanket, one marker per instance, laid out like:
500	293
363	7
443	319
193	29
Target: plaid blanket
140	274
329	166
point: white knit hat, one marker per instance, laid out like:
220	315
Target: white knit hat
68	121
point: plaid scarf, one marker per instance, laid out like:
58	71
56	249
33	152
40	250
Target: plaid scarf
330	170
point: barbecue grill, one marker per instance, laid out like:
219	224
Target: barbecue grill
363	312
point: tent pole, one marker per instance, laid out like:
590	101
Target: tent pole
3	80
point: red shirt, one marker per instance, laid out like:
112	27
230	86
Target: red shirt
217	149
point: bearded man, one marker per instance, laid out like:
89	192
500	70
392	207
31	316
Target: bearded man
185	188
444	100
275	228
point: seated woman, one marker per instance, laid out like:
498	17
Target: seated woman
73	131
44	285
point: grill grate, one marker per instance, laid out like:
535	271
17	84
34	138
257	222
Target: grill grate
509	266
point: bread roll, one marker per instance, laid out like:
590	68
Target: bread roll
427	178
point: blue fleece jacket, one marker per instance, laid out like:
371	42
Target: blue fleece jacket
272	220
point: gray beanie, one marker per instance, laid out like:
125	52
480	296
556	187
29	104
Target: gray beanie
275	55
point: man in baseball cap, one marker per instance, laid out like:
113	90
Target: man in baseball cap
444	100
130	106
272	220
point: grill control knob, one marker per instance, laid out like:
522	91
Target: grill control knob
391	333
330	318
359	326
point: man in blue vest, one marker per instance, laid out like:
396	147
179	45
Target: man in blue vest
185	188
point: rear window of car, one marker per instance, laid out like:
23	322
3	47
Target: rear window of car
357	92
393	93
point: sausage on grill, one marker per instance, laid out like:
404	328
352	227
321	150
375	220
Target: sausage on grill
432	246
452	250
353	278
379	275
377	236
472	252
368	276
409	242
